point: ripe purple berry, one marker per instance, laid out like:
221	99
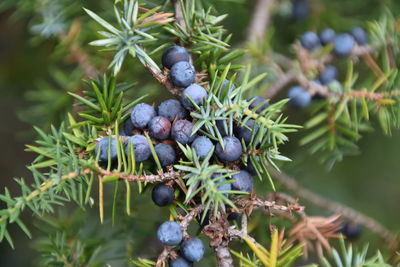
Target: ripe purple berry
182	74
127	128
141	147
196	93
202	145
359	35
244	133
243	181
182	132
222	90
160	128
162	195
103	146
220	183
328	75
310	41
232	149
234	216
327	36
141	115
257	100
351	230
250	168
166	154
343	44
171	109
170	233
300	10
180	262
221	127
173	55
192	249
299	97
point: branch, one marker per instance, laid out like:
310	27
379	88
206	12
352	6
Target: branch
163	80
185	220
270	205
335	207
260	20
179	14
76	53
149	178
305	62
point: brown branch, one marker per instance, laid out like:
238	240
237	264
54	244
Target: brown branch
185	220
265	204
284	80
224	257
179	14
163	80
306	61
335	207
149	178
76	53
260	20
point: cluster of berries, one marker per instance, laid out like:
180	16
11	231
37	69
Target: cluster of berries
342	45
191	250
170	123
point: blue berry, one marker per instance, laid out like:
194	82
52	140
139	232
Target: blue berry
222	90
170	233
327	36
257	100
171	109
234	216
310	41
250	168
221	127
141	147
180	262
329	74
141	115
173	55
299	97
202	145
192	249
166	154
232	149
103	146
182	74
127	128
196	94
359	35
160	128
243	133
243	181
182	132
343	44
351	230
300	9
220	186
162	195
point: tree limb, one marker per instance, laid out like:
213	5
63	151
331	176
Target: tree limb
335	207
260	20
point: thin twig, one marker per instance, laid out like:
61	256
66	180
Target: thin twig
149	178
304	63
179	14
335	207
260	20
163	79
270	205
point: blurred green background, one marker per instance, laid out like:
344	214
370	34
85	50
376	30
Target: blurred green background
33	70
